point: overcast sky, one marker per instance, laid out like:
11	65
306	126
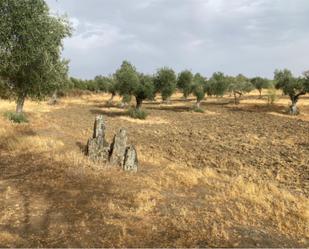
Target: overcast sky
253	37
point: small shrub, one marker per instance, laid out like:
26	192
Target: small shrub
271	95
137	114
197	109
16	118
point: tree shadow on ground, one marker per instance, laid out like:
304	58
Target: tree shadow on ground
109	113
171	108
216	103
107	105
254	108
47	204
82	146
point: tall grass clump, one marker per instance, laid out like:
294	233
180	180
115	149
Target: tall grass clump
16	117
271	95
137	113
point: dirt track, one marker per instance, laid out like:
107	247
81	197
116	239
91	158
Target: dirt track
232	176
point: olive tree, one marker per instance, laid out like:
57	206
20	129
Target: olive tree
199	88
111	88
127	80
292	86
30	49
239	85
130	82
144	90
217	85
184	83
165	82
260	83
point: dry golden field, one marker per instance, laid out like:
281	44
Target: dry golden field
234	176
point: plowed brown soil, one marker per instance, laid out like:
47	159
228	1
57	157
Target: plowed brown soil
234	176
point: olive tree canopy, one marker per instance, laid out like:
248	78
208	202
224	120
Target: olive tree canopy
184	82
239	85
30	49
260	83
165	82
129	82
199	88
292	86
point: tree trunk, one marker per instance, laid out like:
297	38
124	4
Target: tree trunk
111	99
294	99
20	104
235	98
54	98
139	103
198	104
260	91
293	107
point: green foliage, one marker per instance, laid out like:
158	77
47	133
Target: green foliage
127	79
217	85
102	83
271	95
98	84
4	91
199	87
111	86
126	99
165	82
137	113
129	82
240	84
260	83
184	82
289	84
145	89
16	117
30	48
292	86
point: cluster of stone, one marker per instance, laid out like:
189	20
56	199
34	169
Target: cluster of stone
119	153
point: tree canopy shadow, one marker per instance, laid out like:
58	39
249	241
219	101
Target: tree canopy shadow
109	113
254	108
55	206
171	108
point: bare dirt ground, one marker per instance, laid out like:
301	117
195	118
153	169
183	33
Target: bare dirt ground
234	176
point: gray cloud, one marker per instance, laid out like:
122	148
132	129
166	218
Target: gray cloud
252	37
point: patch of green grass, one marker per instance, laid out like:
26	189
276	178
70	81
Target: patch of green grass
137	114
16	118
200	110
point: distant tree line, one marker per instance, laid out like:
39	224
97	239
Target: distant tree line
128	82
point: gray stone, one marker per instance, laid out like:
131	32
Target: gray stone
98	148
118	148
130	160
99	127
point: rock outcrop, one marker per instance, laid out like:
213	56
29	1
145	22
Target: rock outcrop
118	148
98	149
130	160
117	154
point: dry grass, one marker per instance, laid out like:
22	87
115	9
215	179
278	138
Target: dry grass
205	179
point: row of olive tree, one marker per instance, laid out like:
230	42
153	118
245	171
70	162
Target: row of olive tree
31	66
